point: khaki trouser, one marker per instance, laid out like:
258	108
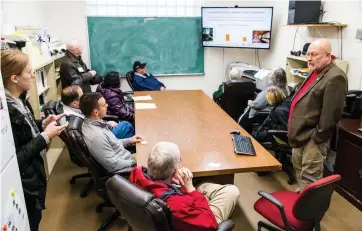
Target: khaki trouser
309	160
222	199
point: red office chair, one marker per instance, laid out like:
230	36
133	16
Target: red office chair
292	211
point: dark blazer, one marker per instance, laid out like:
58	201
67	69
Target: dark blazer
73	71
320	108
31	164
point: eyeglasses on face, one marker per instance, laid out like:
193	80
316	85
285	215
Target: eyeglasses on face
314	54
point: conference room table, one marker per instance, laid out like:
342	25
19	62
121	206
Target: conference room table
201	129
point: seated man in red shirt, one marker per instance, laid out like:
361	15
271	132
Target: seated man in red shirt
192	210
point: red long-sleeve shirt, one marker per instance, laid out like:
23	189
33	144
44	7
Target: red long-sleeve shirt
190	211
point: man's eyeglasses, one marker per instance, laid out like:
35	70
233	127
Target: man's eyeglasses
314	54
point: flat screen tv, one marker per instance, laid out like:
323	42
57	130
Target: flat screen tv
238	27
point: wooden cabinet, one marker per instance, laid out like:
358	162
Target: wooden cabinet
46	87
349	161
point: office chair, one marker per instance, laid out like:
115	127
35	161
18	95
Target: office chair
55	108
236	94
135	203
99	174
292	211
272	133
130	78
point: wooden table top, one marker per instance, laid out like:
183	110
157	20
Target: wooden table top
201	129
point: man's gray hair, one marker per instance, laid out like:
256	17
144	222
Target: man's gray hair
72	44
278	78
163	160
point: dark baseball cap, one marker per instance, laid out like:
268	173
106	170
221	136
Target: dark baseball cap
138	64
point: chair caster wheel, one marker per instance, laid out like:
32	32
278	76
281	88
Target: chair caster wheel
72	181
101	229
83	194
99	209
290	182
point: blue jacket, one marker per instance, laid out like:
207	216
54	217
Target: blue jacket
146	83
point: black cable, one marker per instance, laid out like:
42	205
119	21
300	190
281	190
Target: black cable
295	35
255	61
322	12
341	43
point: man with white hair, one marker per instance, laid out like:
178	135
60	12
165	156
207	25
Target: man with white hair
73	71
192	210
315	110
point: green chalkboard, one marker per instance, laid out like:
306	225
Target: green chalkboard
167	45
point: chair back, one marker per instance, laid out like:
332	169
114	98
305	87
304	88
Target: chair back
56	108
236	95
130	77
313	202
53	108
141	209
99	174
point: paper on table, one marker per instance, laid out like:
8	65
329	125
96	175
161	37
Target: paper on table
139	98
145	106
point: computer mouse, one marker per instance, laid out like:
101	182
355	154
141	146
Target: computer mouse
237	132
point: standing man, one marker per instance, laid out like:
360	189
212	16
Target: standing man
315	111
73	71
144	81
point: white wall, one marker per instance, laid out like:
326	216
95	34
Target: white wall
67	20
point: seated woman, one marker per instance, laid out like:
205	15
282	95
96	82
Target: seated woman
278	117
117	106
278	79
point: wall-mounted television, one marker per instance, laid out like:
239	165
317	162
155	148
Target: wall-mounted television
238	27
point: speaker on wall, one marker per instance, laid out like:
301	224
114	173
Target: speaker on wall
303	12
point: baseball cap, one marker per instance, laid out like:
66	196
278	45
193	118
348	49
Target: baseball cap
138	64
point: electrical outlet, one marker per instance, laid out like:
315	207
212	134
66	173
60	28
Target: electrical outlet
359	34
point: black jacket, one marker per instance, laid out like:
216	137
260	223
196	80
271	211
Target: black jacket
31	164
73	71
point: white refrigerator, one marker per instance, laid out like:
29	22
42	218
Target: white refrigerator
13	216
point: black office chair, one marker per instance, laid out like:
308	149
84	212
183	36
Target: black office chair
135	204
99	174
56	108
273	135
236	94
130	78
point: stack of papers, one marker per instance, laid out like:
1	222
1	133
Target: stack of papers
139	98
145	106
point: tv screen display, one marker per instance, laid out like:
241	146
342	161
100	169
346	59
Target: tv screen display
241	27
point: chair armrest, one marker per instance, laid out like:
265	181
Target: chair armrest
226	225
262	113
128	92
277	203
131	101
310	178
111	118
272	199
277	132
124	172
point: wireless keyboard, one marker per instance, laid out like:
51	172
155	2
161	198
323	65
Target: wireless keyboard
243	145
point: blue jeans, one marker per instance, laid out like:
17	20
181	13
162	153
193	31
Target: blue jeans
123	130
